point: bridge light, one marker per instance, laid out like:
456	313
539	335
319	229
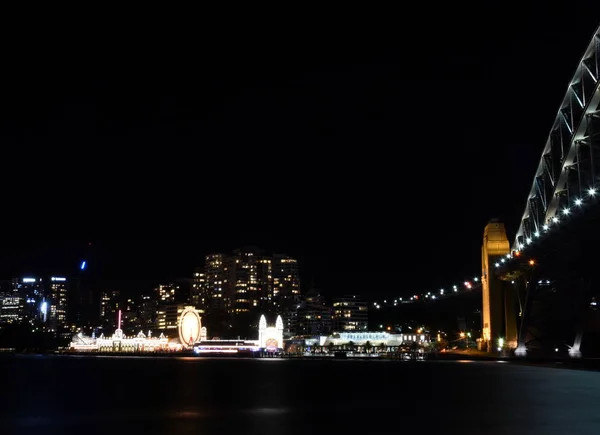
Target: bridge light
507	255
497	265
554	219
536	234
545	227
566	211
517	253
592	191
475	279
528	241
531	262
578	202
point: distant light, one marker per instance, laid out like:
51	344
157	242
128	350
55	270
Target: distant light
44	307
536	234
555	219
28	279
566	211
545	227
83	264
592	191
475	279
58	278
578	201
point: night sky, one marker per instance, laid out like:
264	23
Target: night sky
375	152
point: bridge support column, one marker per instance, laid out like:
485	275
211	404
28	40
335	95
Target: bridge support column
498	301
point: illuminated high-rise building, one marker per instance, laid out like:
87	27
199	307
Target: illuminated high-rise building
251	280
216	292
198	296
30	291
57	303
350	314
167	293
110	304
286	280
245	281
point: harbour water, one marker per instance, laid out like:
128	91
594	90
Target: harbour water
125	395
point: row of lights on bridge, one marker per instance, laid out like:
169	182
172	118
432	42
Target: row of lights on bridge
578	202
467	285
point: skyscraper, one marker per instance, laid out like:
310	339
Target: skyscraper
246	281
286	280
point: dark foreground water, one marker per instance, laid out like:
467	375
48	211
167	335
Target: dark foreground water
108	395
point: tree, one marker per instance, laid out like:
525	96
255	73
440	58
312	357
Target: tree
330	347
368	347
382	347
350	345
441	344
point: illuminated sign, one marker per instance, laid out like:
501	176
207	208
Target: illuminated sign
28	279
58	278
83	263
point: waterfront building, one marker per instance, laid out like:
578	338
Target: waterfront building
119	342
373	338
270	337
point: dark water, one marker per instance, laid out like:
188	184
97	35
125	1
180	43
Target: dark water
106	395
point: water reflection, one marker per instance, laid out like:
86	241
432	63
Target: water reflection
220	396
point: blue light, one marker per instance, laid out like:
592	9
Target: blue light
44	308
82	265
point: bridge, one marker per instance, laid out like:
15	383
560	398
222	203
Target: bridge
539	294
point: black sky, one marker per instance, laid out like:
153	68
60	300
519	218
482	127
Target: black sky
374	151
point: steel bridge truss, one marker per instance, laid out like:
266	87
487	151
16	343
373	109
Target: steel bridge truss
569	169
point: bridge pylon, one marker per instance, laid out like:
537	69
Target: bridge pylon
499	298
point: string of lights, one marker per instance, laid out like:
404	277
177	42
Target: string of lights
454	290
578	203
